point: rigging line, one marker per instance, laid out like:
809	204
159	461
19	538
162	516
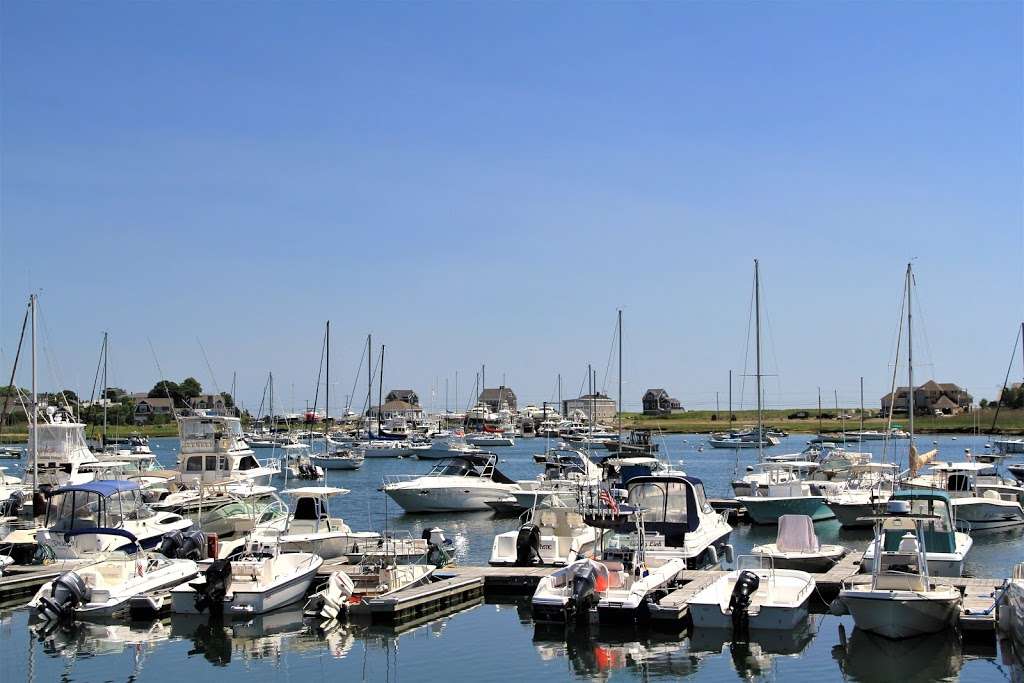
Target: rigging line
746	348
922	325
771	341
208	366
355	382
53	368
14	368
96	377
608	365
1009	369
319	373
163	379
895	370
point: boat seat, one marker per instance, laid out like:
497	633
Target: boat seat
900	582
908	544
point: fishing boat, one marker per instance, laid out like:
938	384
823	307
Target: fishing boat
251	584
901	600
105	588
867	490
976	503
549	537
755	596
946	547
213	449
790	497
797	547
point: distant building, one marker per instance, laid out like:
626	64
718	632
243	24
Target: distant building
396	409
502	398
947	398
596	407
214	402
658	402
147	408
407	395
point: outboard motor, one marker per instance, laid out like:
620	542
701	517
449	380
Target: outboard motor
67	592
170	544
528	546
193	546
12	506
439	548
211	593
583	589
746	585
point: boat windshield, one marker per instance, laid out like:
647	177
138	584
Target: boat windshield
126	505
660	501
74	510
453	468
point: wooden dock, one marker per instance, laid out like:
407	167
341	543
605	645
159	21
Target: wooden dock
423	601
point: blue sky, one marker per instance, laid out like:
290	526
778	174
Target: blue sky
488	183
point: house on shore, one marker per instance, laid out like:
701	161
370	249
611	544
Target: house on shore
596	407
931	397
147	409
658	402
501	398
395	408
407	395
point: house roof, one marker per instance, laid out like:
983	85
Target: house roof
396	406
654	393
497	394
945	402
155	401
401	394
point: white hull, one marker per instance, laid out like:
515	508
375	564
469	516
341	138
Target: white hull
490	440
338	463
780	602
455	498
256	600
886	614
973	514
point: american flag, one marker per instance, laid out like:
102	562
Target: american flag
607	499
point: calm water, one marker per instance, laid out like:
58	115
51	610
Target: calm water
499	640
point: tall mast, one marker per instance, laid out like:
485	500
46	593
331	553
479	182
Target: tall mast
862	407
819	411
620	375
456	391
35	404
273	421
1022	353
560	407
369	381
380	394
910	359
104	441
757	337
327	396
728	420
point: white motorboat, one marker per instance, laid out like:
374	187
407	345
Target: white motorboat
755	596
868	489
1010	608
212	450
105	504
978	501
385	448
791	496
947	548
251	584
105	588
339	460
552	536
347	588
1008	446
490	439
797	547
458	484
901	600
59	449
762	475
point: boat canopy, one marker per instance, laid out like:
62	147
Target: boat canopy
669	500
939	535
101	487
960	467
315	491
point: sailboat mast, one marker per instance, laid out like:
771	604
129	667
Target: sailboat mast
327	396
104	441
272	420
728	420
35	404
862	407
757	337
910	359
819	411
620	375
380	395
369	381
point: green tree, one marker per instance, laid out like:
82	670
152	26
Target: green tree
190	388
983	403
165	388
229	401
114	393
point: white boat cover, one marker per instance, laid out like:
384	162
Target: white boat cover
796	535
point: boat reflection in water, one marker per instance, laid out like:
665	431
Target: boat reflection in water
264	636
93	639
865	656
601	650
755	656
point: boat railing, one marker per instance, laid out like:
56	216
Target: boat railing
270	464
400	478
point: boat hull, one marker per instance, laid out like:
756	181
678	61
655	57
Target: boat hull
449	499
764	510
892	616
974	514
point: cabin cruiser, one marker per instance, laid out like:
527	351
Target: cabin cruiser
867	490
104	504
637	442
750	438
105	588
550	536
978	501
212	449
253	583
1009	446
458	484
228	510
342	459
763	475
754	596
386	448
901	600
946	547
490	439
664	526
790	495
797	547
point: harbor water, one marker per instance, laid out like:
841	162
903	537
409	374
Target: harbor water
497	639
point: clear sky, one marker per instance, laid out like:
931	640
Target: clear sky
488	182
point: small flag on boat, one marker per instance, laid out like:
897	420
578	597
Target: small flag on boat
607	499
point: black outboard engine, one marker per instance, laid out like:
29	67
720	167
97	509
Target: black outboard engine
12	506
528	546
170	544
739	602
193	546
583	586
211	593
67	592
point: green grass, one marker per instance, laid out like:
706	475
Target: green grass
700	421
